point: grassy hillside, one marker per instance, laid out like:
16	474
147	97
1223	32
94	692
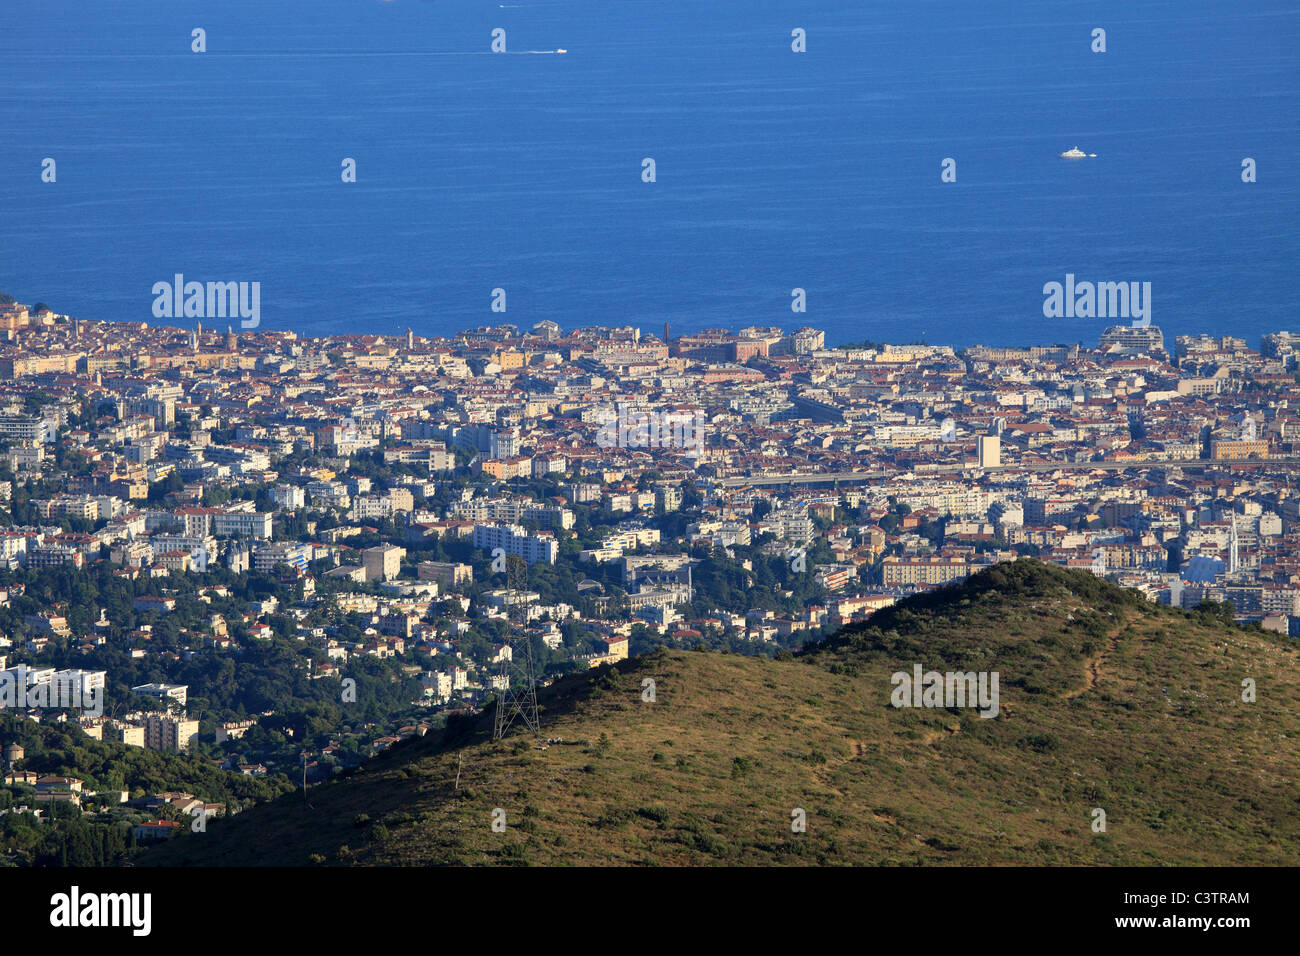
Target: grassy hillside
1106	702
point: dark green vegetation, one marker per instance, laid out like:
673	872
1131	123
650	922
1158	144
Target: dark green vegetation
104	835
63	750
1107	702
260	676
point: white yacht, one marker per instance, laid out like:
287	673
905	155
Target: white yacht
1074	152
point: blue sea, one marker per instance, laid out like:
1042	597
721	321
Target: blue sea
774	170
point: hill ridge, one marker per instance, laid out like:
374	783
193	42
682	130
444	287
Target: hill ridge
712	770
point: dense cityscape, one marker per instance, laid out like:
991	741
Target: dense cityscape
337	517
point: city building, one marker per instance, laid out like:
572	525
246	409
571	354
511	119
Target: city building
382	563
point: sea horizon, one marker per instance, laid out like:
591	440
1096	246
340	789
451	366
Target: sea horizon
823	171
223	325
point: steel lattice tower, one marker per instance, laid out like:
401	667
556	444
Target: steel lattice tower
519	698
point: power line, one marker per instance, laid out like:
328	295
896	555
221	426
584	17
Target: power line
517	698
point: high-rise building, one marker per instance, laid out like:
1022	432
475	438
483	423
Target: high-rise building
513	539
990	451
32	428
164	692
1283	345
77	685
169	733
292	553
1133	340
382	563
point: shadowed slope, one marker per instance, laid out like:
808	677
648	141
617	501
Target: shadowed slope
1106	702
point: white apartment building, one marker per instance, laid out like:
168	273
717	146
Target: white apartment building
282	552
76	684
514	540
164	692
245	524
289	497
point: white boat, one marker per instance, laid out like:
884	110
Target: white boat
561	51
1074	152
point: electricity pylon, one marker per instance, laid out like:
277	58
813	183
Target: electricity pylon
518	699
